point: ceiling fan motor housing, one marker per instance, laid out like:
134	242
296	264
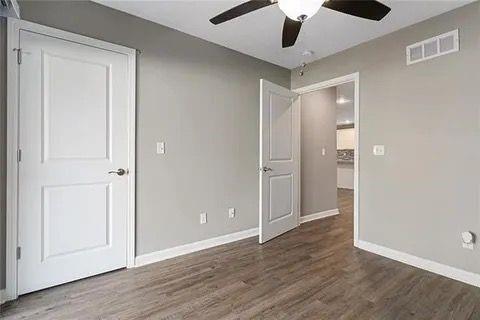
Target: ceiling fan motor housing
302	17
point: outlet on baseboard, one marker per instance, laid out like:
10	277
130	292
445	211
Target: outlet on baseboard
468	246
468	239
231	213
203	217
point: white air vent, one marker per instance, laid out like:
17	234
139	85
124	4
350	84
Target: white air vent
9	8
433	47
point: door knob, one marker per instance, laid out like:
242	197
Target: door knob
266	169
119	172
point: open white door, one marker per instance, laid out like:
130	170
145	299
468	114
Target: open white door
279	160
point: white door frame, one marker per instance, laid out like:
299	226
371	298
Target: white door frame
355	78
13	30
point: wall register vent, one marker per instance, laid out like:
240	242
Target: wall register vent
9	8
434	47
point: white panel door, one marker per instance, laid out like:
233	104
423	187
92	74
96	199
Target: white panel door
73	130
279	160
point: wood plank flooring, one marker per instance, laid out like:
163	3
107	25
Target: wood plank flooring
313	272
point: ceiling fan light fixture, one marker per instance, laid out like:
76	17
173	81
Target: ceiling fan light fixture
300	10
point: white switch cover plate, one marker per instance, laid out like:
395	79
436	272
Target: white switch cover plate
379	150
231	213
324	151
160	147
203	217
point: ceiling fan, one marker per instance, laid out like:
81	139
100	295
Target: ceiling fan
299	11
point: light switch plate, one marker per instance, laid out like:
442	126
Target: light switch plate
203	217
379	150
231	213
324	151
160	147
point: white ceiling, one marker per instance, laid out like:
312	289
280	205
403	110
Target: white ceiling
259	33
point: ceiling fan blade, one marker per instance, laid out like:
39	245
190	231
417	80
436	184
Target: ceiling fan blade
240	10
291	29
368	9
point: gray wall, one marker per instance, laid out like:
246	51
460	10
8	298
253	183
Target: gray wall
319	130
425	190
202	100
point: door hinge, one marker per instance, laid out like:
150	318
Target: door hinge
19	253
19	155
19	55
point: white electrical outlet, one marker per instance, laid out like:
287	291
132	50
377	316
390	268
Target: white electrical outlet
231	213
468	239
203	217
160	147
379	150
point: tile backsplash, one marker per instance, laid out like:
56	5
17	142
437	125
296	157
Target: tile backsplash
345	155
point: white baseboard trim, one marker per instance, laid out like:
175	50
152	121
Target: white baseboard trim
432	266
169	253
319	215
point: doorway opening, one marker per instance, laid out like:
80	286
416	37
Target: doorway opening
327	152
330	164
309	142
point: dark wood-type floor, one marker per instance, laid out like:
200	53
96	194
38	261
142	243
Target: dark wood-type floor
313	272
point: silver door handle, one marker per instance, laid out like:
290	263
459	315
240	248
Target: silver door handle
119	172
266	169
